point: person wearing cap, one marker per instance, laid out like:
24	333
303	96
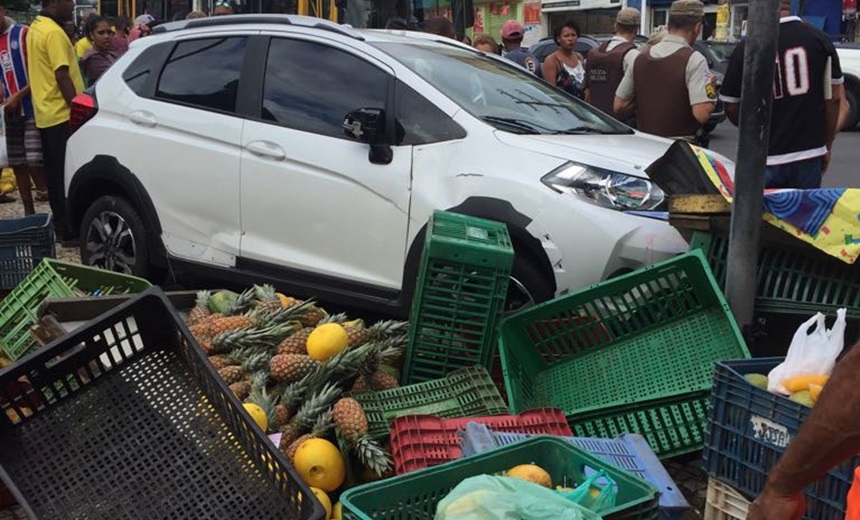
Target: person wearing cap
670	86
606	64
808	87
512	41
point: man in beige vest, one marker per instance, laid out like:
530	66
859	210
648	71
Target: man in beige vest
670	86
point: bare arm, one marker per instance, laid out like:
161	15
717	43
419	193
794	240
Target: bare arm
549	69
702	112
843	111
831	114
733	112
830	436
64	81
623	107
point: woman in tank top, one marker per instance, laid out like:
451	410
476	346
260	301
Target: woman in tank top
564	68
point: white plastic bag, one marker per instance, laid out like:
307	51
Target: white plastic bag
4	156
812	353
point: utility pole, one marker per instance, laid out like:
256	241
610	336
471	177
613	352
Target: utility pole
756	101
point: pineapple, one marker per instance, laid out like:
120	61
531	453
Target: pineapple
381	381
242	389
244	302
361	385
321	426
215	324
220	361
358	334
315	405
349	419
251	362
269	403
267	301
351	422
251	336
311	315
297	343
201	308
292	367
379	353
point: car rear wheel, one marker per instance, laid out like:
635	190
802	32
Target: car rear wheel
853	110
112	237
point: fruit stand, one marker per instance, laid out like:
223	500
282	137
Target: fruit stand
259	404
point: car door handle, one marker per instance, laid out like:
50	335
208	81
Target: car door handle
266	149
143	118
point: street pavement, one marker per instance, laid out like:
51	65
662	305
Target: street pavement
844	165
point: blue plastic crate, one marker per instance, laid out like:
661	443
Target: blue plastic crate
749	429
24	242
630	452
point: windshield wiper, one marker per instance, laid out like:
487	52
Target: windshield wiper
578	130
517	124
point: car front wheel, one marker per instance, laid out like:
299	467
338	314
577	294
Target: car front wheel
112	237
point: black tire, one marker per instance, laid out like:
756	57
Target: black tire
528	285
853	110
113	237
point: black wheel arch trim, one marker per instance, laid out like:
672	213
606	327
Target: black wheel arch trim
105	175
492	209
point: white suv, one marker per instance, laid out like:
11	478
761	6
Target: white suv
295	150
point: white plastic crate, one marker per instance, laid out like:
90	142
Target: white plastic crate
724	503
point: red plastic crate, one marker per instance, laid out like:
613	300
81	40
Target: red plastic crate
422	441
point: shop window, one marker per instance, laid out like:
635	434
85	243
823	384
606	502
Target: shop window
659	19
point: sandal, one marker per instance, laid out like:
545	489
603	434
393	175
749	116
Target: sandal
41	196
5	198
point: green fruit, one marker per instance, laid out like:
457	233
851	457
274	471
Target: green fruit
803	397
221	301
758	380
393	372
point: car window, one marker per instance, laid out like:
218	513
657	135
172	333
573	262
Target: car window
204	73
501	94
311	86
420	120
138	72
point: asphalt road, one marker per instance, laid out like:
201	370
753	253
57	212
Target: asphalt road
844	169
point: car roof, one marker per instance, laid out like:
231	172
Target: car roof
289	23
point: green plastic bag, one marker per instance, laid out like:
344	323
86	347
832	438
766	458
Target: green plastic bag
486	497
598	493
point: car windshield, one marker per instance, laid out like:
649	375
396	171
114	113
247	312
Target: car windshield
501	95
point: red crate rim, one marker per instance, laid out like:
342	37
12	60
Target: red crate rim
422	441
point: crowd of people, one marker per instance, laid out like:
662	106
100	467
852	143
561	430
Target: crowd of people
664	88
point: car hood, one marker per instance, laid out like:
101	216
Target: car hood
627	153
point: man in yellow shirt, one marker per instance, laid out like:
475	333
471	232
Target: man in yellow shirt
55	80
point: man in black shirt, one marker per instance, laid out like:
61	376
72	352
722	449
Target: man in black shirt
807	88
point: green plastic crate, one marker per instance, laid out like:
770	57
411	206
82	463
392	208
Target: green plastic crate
54	279
459	296
415	495
467	392
790	280
634	354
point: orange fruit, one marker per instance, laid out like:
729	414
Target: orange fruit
531	473
320	464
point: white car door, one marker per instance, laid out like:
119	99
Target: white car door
183	144
313	202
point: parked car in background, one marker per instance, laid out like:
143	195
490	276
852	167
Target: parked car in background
849	59
585	43
314	155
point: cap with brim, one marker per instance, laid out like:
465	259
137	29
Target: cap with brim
687	8
628	16
512	30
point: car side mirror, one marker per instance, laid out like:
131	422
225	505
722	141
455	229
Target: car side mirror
368	126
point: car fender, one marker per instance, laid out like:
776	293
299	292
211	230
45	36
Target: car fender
105	175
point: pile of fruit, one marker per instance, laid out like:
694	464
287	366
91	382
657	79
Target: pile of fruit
803	389
294	365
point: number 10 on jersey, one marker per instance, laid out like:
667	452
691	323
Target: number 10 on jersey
792	73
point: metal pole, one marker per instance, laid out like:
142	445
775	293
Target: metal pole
643	14
756	100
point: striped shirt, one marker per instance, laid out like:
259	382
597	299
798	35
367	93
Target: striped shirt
13	59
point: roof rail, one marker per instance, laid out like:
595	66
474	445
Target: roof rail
258	19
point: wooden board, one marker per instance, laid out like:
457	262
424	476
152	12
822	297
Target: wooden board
699	205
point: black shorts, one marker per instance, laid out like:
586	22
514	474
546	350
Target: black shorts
23	142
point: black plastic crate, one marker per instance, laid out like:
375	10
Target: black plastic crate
125	419
24	242
749	429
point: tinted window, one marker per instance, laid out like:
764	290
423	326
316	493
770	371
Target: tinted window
137	74
204	73
311	87
420	120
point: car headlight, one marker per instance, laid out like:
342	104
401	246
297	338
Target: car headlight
606	188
